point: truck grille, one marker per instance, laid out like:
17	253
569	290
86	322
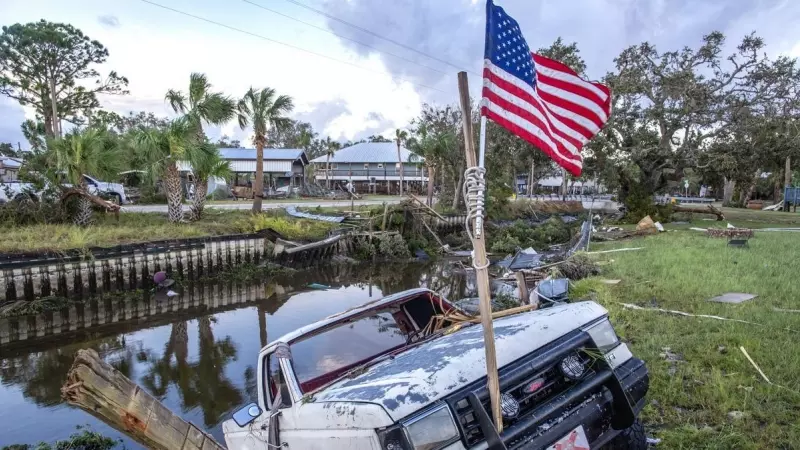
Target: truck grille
550	382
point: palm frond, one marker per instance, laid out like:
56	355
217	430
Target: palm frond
199	87
176	100
218	108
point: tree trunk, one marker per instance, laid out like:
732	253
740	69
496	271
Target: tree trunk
400	161
431	173
83	213
787	175
172	182
258	186
727	191
54	105
199	201
97	388
751	188
457	192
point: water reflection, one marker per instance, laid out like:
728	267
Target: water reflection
201	364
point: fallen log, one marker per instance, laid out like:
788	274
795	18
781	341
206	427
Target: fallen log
99	389
71	192
709	209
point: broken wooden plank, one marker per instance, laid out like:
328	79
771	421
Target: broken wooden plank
97	388
522	285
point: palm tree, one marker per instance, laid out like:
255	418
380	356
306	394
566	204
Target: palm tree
400	136
201	105
263	109
92	151
208	164
162	149
330	147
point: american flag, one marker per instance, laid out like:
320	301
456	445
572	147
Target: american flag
538	99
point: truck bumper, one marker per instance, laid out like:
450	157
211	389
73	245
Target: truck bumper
612	399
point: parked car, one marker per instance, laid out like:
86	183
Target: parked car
380	376
17	190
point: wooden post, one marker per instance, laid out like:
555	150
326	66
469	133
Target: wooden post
99	389
479	260
523	287
385	212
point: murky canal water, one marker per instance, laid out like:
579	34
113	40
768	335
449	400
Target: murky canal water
200	365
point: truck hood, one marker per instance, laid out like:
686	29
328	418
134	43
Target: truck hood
430	371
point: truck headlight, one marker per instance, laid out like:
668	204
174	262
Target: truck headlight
430	430
603	336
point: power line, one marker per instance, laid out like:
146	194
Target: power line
288	45
372	33
345	37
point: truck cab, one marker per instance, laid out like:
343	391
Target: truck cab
412	375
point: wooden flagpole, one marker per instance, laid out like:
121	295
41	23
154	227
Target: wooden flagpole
480	262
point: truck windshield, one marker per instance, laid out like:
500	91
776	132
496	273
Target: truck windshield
321	359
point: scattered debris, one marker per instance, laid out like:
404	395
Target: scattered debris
171	293
704	316
673	359
736	415
722	349
775	207
318	286
611	282
617	250
659	227
709	209
553	291
698	229
653	441
733	297
786	310
780	229
746	388
578	267
746	355
728	232
292	211
647	226
522	260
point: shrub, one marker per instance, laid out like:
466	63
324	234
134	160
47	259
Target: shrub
290	228
393	246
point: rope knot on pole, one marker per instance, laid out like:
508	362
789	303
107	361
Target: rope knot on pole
474	188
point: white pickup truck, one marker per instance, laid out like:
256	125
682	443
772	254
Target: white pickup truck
15	189
407	379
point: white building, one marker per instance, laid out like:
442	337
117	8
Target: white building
372	167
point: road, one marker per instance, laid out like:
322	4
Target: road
265	205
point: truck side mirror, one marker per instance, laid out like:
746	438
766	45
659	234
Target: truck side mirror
247	414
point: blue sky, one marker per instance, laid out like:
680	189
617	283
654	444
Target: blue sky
158	49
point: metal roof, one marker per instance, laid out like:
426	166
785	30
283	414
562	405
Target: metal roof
370	152
10	163
289	154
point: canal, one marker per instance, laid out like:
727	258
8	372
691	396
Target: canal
200	363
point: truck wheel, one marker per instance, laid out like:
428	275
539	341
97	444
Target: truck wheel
116	198
632	438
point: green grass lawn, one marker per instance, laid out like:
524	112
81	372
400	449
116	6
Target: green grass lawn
690	400
140	227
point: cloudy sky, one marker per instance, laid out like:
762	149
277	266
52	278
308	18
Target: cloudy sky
349	64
